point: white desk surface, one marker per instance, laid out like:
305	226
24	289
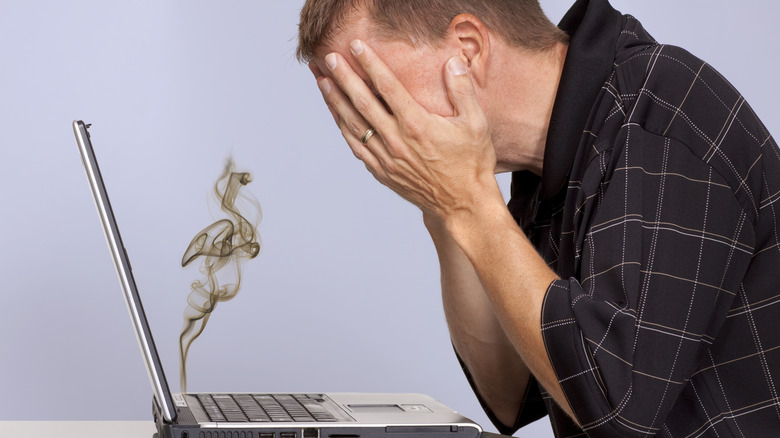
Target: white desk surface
87	429
74	429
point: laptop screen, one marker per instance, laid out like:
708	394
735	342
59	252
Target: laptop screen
123	270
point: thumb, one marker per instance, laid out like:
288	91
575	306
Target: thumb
460	88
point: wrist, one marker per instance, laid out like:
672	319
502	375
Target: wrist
485	214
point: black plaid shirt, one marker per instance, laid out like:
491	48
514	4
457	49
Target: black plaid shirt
661	217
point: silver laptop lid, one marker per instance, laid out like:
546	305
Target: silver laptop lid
123	270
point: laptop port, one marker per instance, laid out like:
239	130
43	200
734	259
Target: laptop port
288	434
311	432
265	435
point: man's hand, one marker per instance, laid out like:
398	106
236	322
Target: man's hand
441	164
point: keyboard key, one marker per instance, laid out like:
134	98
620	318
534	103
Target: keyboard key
229	407
211	408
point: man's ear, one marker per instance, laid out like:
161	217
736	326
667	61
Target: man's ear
474	43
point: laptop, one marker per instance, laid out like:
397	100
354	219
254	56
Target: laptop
258	414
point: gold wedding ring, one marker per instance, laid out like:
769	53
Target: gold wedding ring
367	135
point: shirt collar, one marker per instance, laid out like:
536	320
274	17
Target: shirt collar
594	27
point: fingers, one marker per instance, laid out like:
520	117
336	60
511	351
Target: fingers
355	109
386	84
460	89
318	76
358	92
325	87
352	125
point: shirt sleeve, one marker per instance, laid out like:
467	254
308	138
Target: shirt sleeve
664	246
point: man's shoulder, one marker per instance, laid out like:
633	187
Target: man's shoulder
672	92
668	91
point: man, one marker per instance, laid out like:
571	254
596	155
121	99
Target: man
630	289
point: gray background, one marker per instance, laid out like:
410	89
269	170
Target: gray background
344	296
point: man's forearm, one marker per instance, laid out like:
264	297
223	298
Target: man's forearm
515	280
497	370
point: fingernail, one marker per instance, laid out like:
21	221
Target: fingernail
324	86
331	61
456	66
356	47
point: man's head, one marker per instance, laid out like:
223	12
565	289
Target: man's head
512	51
521	23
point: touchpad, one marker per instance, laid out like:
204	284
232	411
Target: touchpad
375	409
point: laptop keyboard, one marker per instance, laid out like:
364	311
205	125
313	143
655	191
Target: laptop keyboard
265	408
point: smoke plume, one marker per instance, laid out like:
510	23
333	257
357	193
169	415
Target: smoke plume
222	247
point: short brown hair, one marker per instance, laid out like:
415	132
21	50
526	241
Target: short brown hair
522	23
